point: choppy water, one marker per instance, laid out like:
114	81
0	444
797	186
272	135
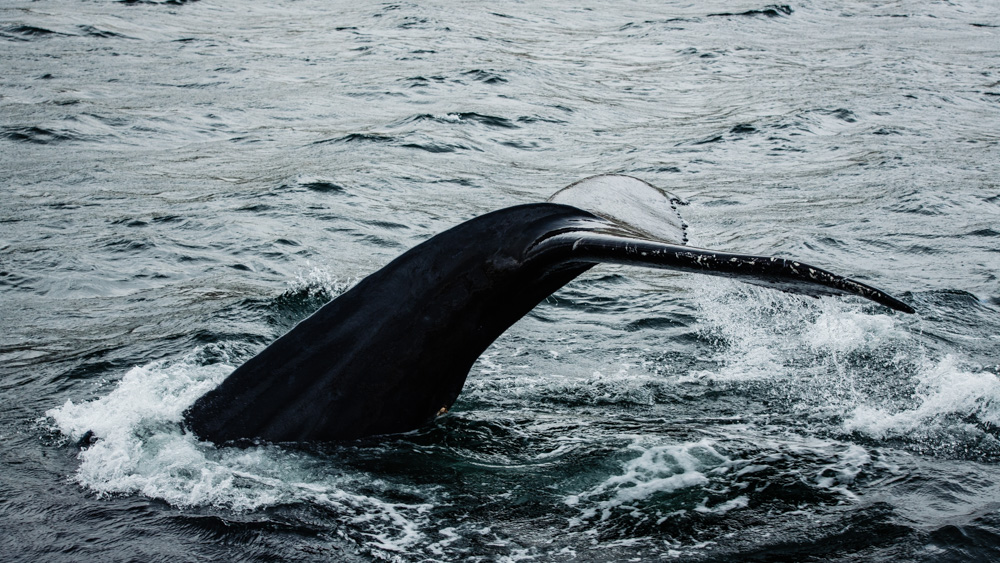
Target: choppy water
182	182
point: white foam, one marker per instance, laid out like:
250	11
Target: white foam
840	330
943	390
741	501
152	394
764	331
657	469
500	372
320	281
740	310
825	355
386	526
860	371
760	329
141	449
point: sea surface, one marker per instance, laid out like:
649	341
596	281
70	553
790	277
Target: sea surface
182	182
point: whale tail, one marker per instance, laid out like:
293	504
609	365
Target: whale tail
640	226
393	351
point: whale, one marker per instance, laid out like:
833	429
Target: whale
392	353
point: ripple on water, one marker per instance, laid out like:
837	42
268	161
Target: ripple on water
40	135
210	174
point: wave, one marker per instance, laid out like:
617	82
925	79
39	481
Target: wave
850	371
949	402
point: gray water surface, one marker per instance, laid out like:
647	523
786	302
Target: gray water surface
183	182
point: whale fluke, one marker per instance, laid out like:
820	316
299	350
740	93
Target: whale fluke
389	354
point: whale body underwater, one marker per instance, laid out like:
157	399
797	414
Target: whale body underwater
394	351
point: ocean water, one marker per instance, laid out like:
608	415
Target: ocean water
184	181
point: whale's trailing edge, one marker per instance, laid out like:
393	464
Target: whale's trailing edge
646	230
389	354
767	271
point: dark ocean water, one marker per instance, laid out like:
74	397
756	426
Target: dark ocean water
183	182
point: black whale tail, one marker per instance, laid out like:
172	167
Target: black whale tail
393	351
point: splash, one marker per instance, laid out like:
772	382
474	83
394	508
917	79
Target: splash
319	282
663	469
766	335
848	370
141	448
307	292
946	397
